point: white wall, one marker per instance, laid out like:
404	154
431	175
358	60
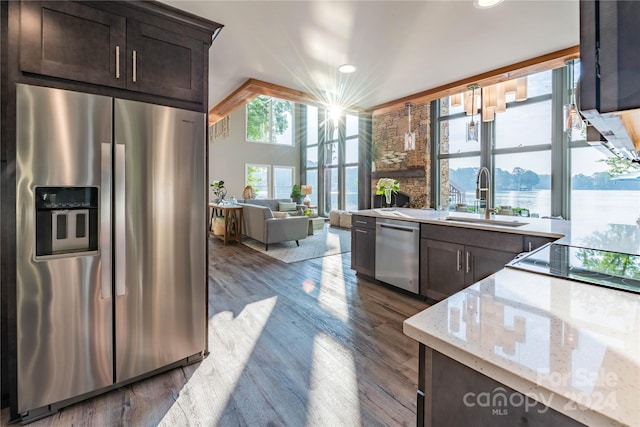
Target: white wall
228	156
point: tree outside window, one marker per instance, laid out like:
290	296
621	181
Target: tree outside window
258	178
270	120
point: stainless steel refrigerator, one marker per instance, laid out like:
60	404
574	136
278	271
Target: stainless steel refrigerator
111	242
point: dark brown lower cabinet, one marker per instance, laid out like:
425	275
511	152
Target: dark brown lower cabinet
363	245
453	395
447	268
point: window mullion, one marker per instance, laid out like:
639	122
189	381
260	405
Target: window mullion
560	159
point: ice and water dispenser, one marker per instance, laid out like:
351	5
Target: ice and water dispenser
66	221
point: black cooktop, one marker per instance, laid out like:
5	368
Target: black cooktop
593	266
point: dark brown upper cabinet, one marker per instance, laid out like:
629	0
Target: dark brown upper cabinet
164	63
73	41
610	63
146	47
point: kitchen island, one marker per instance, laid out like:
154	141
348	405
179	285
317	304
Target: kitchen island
523	346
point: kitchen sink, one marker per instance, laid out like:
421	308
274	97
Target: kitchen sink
513	223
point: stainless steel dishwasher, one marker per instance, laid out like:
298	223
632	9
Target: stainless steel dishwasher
397	253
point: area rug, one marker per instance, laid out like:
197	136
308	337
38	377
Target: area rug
328	241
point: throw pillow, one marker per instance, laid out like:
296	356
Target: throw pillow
280	214
286	206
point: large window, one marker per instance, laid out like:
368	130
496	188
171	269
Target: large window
270	120
523	151
270	181
331	159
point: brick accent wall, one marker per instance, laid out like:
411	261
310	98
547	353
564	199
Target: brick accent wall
388	132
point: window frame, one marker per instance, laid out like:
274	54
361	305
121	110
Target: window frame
271	138
271	185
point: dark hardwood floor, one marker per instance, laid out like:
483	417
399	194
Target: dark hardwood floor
302	344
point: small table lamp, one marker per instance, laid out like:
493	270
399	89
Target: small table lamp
306	190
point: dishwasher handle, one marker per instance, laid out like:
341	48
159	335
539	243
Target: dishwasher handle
397	227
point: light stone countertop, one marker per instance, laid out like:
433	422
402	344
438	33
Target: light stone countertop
530	226
574	347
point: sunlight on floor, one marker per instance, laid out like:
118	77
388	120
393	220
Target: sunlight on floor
333	302
224	366
334	380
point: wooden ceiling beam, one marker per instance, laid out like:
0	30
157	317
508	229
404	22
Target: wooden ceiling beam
520	69
252	88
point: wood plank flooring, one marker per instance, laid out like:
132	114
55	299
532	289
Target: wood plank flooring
302	344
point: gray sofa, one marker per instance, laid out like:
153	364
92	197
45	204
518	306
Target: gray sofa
272	204
260	224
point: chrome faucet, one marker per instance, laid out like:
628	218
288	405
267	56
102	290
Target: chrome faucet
487	190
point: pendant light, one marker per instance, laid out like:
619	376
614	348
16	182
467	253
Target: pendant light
472	126
409	137
571	115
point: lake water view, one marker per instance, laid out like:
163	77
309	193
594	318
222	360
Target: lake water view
617	207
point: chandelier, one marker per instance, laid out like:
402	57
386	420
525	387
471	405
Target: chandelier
494	98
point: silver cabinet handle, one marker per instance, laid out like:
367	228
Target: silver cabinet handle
395	227
135	66
117	62
458	265
468	267
120	235
105	220
530	246
358	230
361	222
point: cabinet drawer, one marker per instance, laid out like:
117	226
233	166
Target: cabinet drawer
363	221
507	242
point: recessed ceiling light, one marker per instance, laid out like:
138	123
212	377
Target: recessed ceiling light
347	68
486	4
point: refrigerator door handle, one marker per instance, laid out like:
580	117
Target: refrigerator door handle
105	220
120	235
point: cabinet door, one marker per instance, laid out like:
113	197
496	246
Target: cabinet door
608	32
72	41
481	262
363	250
165	63
441	265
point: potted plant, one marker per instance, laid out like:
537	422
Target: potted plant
387	186
219	191
296	193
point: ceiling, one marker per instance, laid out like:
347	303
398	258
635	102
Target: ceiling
399	47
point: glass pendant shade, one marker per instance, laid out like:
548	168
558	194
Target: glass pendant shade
571	117
472	126
409	137
472	131
409	141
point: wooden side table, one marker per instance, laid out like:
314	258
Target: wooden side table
232	221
